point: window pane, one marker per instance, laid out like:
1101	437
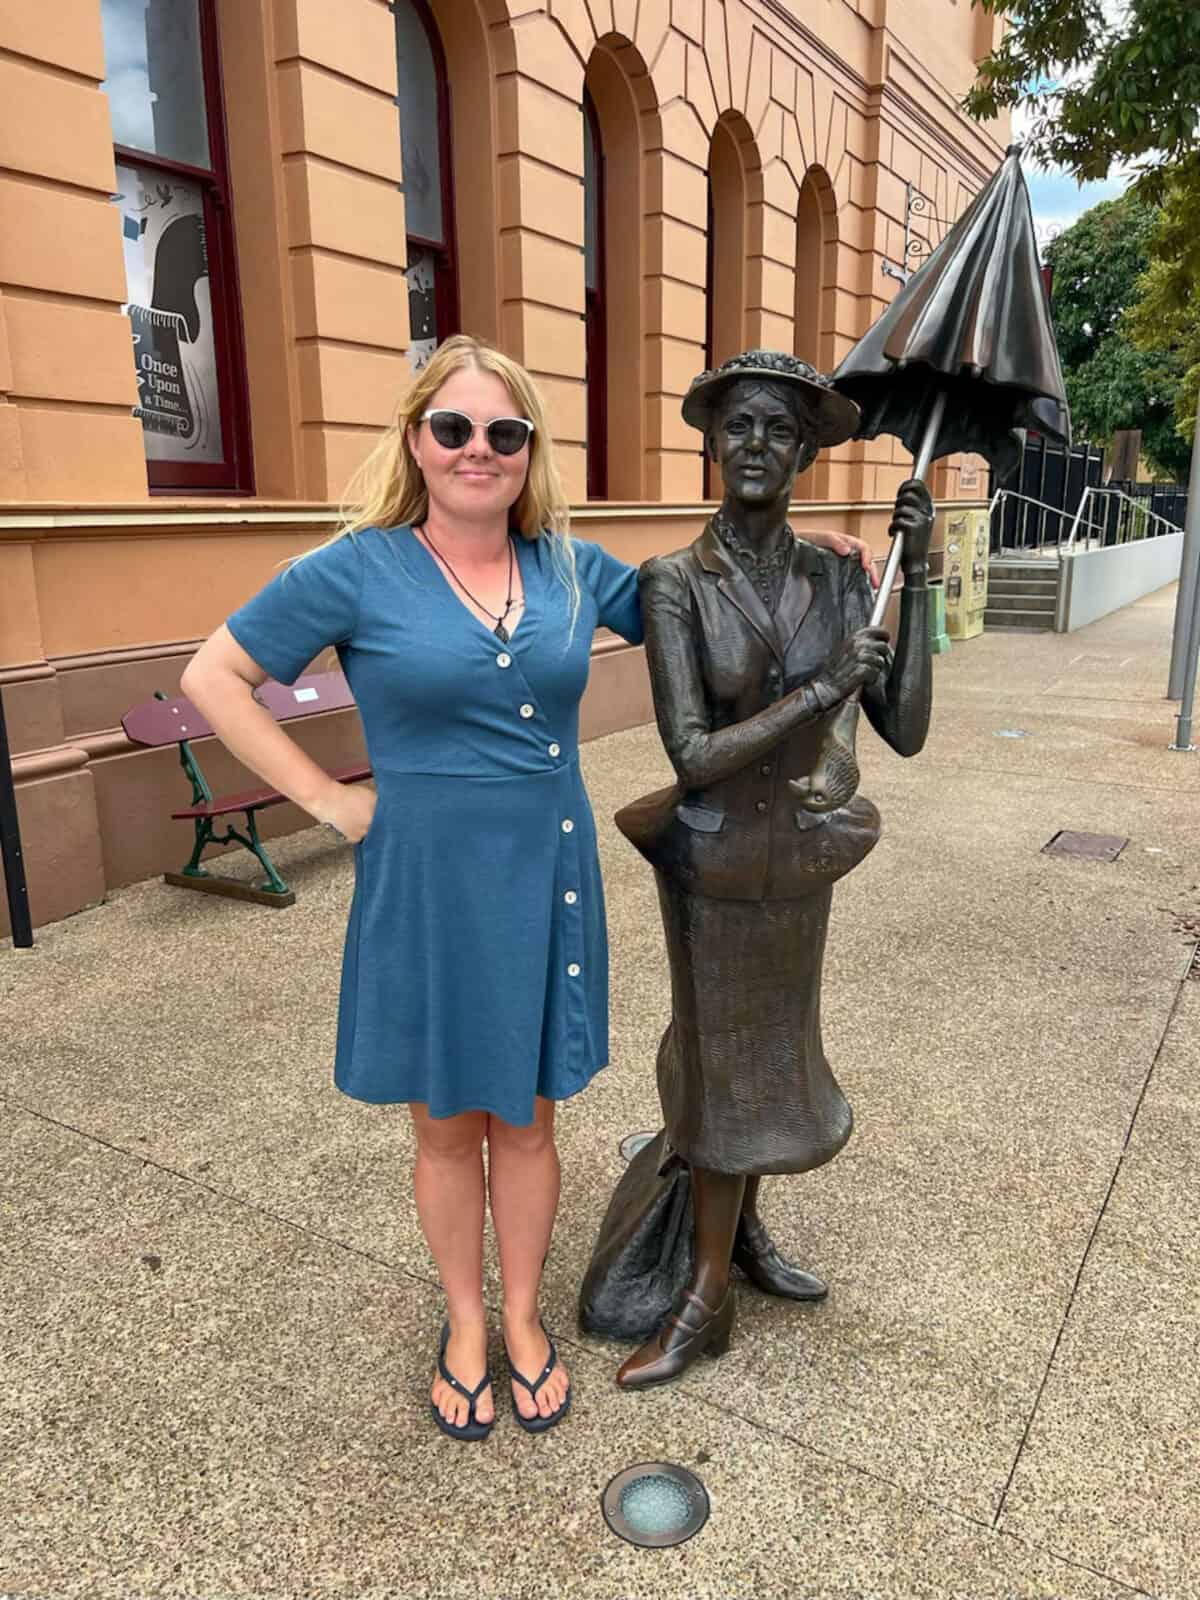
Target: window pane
420	133
155	81
170	307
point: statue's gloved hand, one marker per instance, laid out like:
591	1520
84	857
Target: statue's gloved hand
858	660
913	517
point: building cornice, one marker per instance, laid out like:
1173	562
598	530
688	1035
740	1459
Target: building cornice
886	90
981	162
140	521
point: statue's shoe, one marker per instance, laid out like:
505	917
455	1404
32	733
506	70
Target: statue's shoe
755	1253
693	1329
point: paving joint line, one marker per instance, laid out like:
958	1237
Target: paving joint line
1079	1566
1054	777
1100	1215
685	1391
913	1494
219	1194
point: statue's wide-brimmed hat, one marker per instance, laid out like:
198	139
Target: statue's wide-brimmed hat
836	416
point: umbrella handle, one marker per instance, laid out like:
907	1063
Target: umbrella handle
834	779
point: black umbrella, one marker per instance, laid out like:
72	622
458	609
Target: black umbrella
962	358
965	354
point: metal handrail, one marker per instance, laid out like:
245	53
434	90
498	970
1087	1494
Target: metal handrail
1026	502
1130	512
1136	510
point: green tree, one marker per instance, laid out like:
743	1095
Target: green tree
1112	382
1166	312
1108	87
1104	87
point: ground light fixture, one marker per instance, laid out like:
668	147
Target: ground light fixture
655	1505
632	1143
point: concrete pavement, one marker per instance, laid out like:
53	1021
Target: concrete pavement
219	1315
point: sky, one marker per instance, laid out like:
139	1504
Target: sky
1058	200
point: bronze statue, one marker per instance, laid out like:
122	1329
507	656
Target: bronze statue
757	642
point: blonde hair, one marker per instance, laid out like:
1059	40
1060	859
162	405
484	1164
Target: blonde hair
388	490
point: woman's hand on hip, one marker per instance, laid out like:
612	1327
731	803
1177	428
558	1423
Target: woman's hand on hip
913	517
348	809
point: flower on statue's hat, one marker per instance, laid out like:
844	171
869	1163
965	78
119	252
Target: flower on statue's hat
836	417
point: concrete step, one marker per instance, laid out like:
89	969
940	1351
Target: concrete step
1008	559
1023	574
1042	621
1021	585
1022	602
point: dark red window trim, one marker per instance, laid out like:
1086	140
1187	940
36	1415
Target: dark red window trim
596	328
709	479
235	474
444	251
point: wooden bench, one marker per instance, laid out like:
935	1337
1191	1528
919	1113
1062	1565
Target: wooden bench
174	720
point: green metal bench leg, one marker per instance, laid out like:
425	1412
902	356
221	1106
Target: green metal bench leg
206	834
274	883
275	892
204	837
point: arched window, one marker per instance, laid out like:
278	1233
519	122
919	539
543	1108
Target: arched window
815	239
816	274
424	103
725	302
164	92
596	322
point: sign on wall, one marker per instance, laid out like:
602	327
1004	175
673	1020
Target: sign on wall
170	310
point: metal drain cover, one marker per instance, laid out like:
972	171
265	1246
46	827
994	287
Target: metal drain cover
655	1505
1085	846
632	1143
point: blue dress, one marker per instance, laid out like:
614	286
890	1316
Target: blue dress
475	973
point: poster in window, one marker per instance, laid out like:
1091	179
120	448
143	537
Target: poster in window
422	306
170	310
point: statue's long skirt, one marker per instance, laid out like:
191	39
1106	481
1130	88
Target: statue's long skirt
742	1075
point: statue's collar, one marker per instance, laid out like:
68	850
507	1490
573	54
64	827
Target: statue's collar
777	631
715	556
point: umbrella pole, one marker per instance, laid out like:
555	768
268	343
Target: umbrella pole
922	461
834	779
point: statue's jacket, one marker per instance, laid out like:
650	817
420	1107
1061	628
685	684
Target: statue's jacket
721	664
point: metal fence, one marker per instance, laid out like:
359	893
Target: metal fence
1038	508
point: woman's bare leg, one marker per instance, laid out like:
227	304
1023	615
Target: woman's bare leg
450	1201
523	1175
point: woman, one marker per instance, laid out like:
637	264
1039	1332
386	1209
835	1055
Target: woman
755	643
474	983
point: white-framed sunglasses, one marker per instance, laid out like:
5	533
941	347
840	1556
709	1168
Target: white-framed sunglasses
453	430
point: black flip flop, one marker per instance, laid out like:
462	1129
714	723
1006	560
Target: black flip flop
539	1424
471	1429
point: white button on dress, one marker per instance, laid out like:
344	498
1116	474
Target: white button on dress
527	711
556	750
574	970
568	826
504	659
570	897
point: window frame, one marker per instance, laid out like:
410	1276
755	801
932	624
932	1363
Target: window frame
235	473
595	316
445	252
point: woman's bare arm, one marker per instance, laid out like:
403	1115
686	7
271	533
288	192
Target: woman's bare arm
220	681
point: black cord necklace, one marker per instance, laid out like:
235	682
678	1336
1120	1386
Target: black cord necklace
499	630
